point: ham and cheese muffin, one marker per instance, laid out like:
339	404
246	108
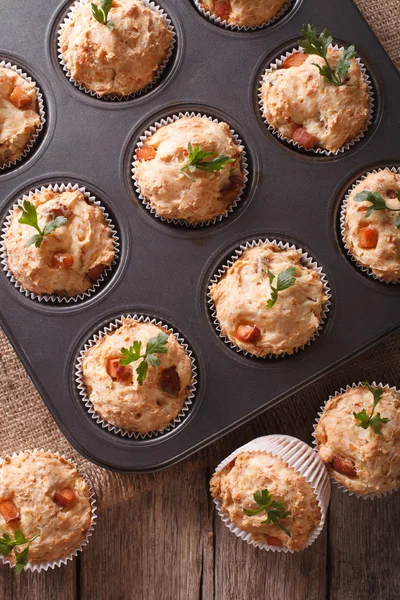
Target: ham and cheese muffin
244	13
302	106
177	193
19	115
242	295
374	240
116	391
120	61
70	258
251	473
362	460
43	495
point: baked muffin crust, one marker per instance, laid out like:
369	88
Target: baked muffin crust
250	472
118	62
240	299
246	13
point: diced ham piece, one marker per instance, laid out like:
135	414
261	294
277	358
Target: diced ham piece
248	334
344	466
169	380
274	541
294	60
305	139
62	261
367	237
9	511
222	9
121	373
19	98
96	271
64	497
145	153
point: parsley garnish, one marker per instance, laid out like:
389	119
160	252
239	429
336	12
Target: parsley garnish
376	421
275	510
284	281
155	345
197	160
29	217
312	44
7	544
101	14
378	203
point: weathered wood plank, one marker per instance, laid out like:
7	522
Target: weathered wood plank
57	584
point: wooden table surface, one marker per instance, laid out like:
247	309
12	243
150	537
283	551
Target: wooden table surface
168	544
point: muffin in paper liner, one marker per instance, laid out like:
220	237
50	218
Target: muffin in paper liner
110	97
242	28
59	187
7	65
302	459
306	260
370	496
167	121
111	327
277	64
44	566
343	210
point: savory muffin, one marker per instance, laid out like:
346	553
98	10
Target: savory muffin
254	479
268	302
301	105
43	496
358	437
118	59
372	236
190	170
74	252
19	115
138	377
245	13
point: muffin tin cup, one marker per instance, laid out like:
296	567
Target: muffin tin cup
302	459
112	97
110	328
167	121
333	480
306	261
44	566
343	210
277	64
242	28
40	104
59	187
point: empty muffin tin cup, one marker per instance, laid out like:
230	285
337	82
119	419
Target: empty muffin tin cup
302	459
114	97
343	210
242	28
90	199
306	261
167	121
333	480
277	64
7	65
44	566
110	328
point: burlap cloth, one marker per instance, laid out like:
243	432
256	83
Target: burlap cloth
26	423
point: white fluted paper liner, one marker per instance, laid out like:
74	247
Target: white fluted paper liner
60	188
110	97
110	328
343	210
232	27
306	261
167	121
335	395
7	65
302	459
277	64
44	566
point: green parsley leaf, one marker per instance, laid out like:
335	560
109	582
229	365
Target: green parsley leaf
373	421
197	160
275	510
101	14
156	345
284	281
130	354
29	217
377	202
7	544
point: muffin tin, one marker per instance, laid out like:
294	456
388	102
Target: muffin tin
164	269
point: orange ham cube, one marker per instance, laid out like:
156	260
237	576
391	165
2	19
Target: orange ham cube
248	334
96	271
273	541
19	98
9	511
367	237
344	466
64	497
305	139
62	261
294	60
120	373
222	9
145	153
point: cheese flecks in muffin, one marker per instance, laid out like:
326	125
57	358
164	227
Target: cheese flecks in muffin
358	458
234	487
19	115
374	240
169	191
240	300
301	105
117	396
71	258
121	61
245	13
48	497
